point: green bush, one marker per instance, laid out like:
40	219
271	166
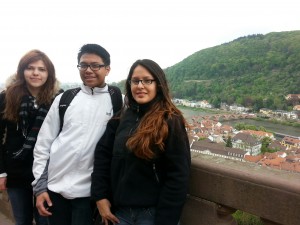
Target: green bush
244	218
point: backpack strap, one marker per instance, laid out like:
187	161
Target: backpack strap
116	98
64	103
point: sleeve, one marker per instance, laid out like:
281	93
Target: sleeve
100	187
47	135
177	171
2	136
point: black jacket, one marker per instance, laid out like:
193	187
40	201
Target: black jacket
19	172
161	182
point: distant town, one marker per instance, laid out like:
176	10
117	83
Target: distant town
209	136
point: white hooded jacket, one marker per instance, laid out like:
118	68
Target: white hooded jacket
63	162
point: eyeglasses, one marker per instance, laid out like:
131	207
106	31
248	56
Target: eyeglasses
94	67
143	82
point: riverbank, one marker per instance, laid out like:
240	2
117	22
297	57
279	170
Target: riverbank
281	122
207	111
217	111
283	127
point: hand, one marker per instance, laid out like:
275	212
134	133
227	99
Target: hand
43	203
3	183
104	206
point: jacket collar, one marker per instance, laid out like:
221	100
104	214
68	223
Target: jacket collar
143	108
95	90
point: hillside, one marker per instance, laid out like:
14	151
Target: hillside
255	71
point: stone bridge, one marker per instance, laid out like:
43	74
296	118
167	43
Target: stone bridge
223	117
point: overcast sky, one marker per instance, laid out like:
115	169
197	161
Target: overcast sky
166	31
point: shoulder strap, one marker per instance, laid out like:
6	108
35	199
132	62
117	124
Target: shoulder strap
64	103
116	98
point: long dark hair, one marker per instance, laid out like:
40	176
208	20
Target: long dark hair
18	88
153	128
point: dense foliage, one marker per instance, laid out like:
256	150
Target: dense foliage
244	126
266	141
255	71
244	218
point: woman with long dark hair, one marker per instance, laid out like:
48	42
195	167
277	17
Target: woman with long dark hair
142	162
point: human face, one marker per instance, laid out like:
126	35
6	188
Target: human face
143	93
35	75
93	78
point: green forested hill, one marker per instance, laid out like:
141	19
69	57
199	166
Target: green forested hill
255	71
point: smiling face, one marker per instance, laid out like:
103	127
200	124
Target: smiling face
143	93
35	75
93	78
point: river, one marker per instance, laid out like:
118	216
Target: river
278	128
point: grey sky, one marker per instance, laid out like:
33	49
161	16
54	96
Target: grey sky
162	30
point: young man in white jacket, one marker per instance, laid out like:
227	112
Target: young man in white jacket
63	160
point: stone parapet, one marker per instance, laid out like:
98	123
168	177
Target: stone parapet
5	207
219	187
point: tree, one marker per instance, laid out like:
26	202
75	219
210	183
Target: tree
265	142
248	101
229	142
258	104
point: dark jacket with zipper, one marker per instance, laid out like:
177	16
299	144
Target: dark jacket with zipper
19	172
134	182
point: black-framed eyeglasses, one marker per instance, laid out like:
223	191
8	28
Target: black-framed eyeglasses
143	82
94	67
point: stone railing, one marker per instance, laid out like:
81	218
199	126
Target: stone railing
5	207
219	187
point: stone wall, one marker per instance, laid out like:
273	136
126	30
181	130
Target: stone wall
5	206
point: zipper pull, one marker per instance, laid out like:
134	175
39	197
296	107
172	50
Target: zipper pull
137	110
154	169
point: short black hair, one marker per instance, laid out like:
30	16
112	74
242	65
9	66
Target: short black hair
94	49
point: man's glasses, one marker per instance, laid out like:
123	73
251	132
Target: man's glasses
94	67
143	82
